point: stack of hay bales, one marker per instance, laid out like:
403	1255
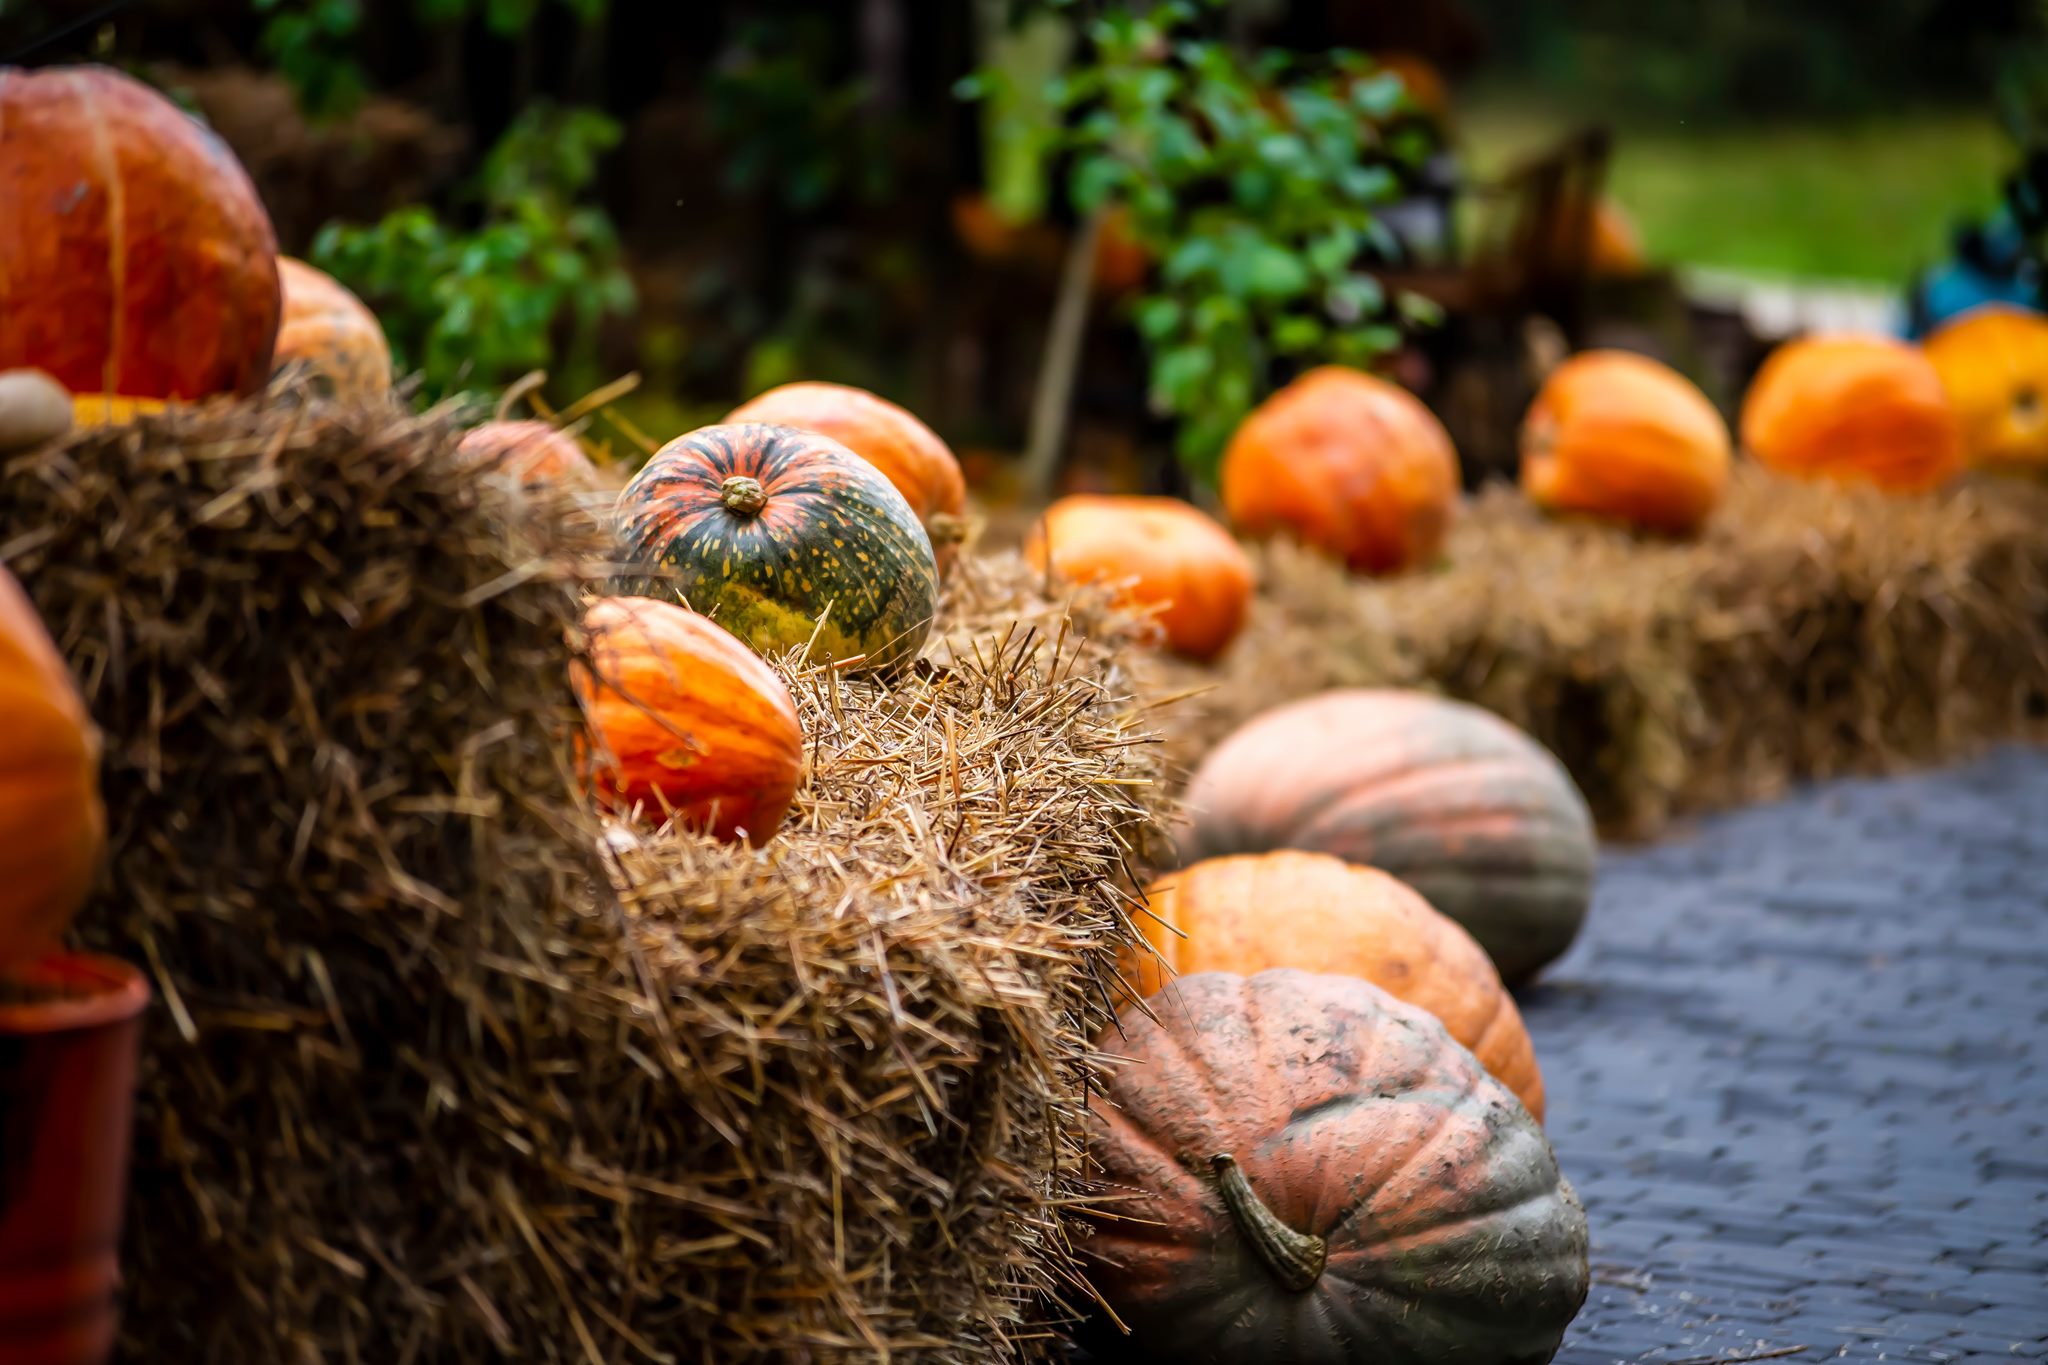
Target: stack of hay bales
1812	630
444	1068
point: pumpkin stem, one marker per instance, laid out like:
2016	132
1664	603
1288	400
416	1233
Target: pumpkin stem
1296	1259
743	495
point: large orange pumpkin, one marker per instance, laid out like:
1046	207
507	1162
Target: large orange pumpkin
52	827
1309	910
135	258
1623	436
1475	815
1994	363
1351	464
686	719
888	437
1855	408
1165	553
531	452
1302	1170
331	333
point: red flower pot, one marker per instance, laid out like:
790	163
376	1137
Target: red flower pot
69	1026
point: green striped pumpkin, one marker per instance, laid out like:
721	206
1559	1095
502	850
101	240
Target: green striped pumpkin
783	537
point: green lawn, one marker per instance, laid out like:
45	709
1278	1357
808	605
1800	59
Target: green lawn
1868	201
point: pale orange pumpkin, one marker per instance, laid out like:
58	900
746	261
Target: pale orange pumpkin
531	452
1622	436
329	332
1994	363
1853	408
685	719
1314	912
1162	553
52	826
889	437
1351	464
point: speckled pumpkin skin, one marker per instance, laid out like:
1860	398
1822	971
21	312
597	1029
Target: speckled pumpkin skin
1312	912
1450	798
834	553
1452	1238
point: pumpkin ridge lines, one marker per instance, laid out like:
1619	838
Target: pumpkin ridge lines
117	234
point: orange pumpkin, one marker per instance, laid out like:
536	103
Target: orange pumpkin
135	258
52	826
1167	555
909	453
1353	465
687	719
531	452
1623	436
1304	1169
1860	409
1312	911
1994	363
329	331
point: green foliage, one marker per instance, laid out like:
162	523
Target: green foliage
787	127
480	307
1253	183
310	40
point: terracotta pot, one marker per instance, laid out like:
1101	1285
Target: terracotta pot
69	1028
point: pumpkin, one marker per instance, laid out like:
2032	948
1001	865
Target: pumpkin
329	332
52	826
787	538
1302	1169
1351	464
135	258
1623	436
686	719
908	452
1292	909
531	452
1614	249
1475	815
1854	408
1993	361
1162	552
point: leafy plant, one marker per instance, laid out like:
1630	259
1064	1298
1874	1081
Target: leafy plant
479	307
311	41
1253	184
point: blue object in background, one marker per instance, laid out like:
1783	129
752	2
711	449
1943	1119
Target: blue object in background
1991	264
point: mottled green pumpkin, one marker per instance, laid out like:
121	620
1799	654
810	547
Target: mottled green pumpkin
784	537
1306	1171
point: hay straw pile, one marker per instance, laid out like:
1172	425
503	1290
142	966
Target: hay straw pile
441	1069
1811	631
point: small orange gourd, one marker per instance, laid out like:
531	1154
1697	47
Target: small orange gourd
686	719
1164	553
1994	363
1351	464
531	452
1853	408
1622	436
329	332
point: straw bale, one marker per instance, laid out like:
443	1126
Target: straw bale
1812	630
443	1069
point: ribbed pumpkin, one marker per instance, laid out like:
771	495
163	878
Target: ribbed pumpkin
1994	363
1451	799
1622	436
1248	913
1351	464
890	438
1316	1174
328	331
135	258
531	452
785	536
1166	553
1860	409
52	827
686	719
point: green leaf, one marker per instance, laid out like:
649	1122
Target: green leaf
1157	317
1096	181
1293	335
1378	96
1419	311
1178	373
1272	272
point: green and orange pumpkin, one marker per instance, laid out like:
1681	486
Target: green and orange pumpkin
1450	798
787	539
1302	1170
685	721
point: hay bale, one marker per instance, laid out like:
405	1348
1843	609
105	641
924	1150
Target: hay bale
1813	630
441	1069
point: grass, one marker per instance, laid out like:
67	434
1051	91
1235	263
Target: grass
1870	201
